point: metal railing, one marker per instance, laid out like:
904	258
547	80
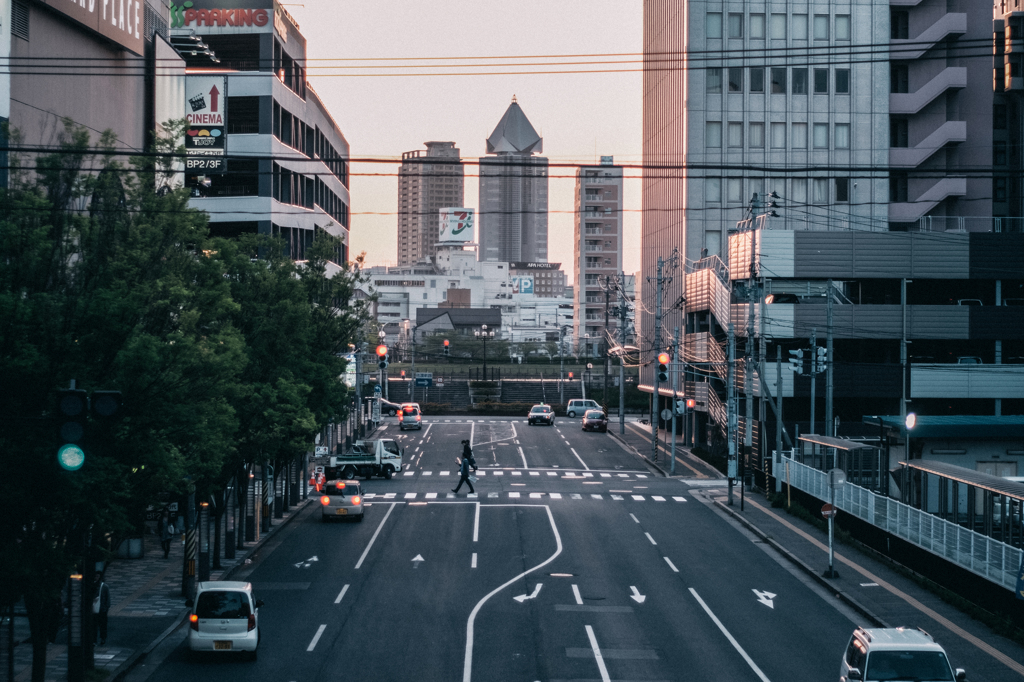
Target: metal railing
993	560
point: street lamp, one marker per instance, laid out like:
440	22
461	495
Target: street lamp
561	365
482	333
909	424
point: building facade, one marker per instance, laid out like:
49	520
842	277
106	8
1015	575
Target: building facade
427	182
544	280
287	159
514	192
597	246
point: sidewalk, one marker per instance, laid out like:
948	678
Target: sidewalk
869	583
146	606
638	439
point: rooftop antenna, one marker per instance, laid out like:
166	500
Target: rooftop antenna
513	99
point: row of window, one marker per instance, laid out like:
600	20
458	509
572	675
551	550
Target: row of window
778	77
294	188
309	140
798	135
776	26
798	194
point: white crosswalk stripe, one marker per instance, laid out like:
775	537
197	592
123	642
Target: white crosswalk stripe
679	499
513	495
409	473
431	496
657	498
638	498
410	496
616	497
534	496
428	473
389	496
555	496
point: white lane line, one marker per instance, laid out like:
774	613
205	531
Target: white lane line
679	498
431	496
467	664
472	432
341	595
634	518
472	564
375	534
670	564
525	465
732	640
597	655
579	458
514	434
476	527
576	593
650	538
316	637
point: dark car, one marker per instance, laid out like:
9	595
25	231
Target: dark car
595	420
389	408
541	414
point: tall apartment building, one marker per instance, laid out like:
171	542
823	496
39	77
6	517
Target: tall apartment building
287	165
597	248
427	182
514	192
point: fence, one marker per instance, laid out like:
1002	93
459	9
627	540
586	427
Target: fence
979	554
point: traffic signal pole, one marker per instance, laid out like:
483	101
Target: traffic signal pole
814	373
675	389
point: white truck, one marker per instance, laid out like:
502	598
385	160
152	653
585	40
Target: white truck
368	458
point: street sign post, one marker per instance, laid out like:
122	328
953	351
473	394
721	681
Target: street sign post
828	511
321	450
836	478
424	378
666	414
375	410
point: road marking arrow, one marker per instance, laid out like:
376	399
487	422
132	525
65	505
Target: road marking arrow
307	563
636	596
765	598
417	560
536	590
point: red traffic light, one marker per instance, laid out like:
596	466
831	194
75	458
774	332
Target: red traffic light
690	402
570	375
382	350
664	358
446	343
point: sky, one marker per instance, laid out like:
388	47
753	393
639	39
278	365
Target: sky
580	116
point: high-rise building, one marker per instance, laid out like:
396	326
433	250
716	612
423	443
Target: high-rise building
597	245
427	182
514	192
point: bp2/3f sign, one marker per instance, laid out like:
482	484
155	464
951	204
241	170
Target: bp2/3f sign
206	111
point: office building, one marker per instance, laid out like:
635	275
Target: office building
544	280
597	246
514	192
427	182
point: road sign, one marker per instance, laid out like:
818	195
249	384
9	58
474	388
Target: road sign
828	511
377	389
836	477
424	378
318	470
666	414
375	410
321	450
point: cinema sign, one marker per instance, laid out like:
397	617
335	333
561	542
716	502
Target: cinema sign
120	21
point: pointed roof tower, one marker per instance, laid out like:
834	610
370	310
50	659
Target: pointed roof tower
514	134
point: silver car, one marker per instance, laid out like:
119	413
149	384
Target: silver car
341	499
224	618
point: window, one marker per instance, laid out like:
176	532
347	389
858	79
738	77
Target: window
713	190
757	79
714	25
842	27
842	81
821	27
714	80
843	189
800	81
757	27
899	78
735	134
778	27
999	189
778	135
899	134
735	25
821	190
19	19
735	190
713	134
799	136
821	136
756	135
735	79
821	81
999	153
778	81
842	136
898	187
799	27
899	24
999	116
800	191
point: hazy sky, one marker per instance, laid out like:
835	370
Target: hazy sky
580	116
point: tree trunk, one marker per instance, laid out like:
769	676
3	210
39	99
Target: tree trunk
39	625
218	515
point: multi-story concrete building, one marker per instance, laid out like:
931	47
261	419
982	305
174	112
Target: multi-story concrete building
597	247
287	159
547	280
427	182
514	192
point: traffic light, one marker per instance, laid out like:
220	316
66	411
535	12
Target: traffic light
821	355
72	410
663	360
383	364
690	403
382	356
446	347
796	363
106	405
570	375
681	407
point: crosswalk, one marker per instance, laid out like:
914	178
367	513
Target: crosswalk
517	495
570	475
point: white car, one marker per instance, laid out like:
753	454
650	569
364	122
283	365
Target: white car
882	654
341	499
579	406
224	618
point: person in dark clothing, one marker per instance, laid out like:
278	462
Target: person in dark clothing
467	453
166	531
464	476
100	607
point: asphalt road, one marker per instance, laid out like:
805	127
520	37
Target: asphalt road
574	562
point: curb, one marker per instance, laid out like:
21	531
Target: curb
135	659
821	580
630	448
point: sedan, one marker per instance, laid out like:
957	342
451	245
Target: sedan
224	618
595	420
541	414
341	499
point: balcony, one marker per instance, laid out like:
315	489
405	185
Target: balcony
966	381
912	157
953	77
912	211
949	25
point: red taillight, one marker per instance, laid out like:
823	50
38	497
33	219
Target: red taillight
417	417
356	499
252	622
325	500
193	621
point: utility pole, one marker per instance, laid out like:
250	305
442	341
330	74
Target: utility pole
676	366
814	373
412	369
607	299
778	398
903	351
829	421
561	366
750	359
622	359
730	383
655	395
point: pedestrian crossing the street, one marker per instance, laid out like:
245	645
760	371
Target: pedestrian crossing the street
517	495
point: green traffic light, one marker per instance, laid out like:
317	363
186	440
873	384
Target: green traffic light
71	457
